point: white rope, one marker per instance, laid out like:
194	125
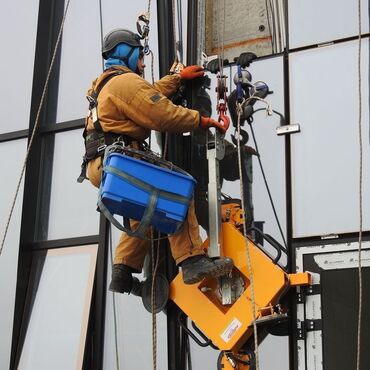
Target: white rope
249	262
360	288
35	126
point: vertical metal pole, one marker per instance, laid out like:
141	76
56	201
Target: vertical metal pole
174	154
293	360
215	152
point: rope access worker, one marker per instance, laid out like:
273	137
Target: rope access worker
128	109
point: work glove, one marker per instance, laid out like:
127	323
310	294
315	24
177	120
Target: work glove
207	122
191	72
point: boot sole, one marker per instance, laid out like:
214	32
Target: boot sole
116	288
214	272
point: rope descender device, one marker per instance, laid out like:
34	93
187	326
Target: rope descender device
221	90
142	26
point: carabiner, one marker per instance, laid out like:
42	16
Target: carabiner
224	119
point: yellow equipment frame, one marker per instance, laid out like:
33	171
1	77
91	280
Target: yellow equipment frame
229	327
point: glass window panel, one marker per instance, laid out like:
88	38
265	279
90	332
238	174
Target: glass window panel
315	21
271	147
72	205
325	166
131	333
16	150
18	25
116	14
56	331
80	58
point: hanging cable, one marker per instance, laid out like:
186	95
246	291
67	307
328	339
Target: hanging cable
155	265
250	271
360	288
269	111
101	30
35	125
267	187
269	24
114	302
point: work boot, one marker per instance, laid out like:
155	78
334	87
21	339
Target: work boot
195	269
121	279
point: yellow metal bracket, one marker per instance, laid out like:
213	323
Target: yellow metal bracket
229	326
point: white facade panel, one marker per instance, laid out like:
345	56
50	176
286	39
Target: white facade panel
325	155
271	147
316	22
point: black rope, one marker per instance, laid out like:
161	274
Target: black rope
267	186
269	25
110	228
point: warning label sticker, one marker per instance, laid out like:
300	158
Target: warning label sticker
232	328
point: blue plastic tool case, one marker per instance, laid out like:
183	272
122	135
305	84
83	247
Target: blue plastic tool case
125	198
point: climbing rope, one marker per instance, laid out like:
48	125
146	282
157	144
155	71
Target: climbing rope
35	125
249	262
360	288
114	303
155	264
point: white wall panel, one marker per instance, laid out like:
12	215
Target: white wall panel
270	145
325	164
315	21
16	150
72	205
18	26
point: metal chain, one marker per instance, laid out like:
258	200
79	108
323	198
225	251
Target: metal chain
360	288
250	271
35	125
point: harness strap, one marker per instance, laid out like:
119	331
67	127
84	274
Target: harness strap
93	100
146	186
126	227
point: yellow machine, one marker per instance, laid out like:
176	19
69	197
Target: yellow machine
223	308
229	309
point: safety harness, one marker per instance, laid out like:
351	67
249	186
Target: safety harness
97	140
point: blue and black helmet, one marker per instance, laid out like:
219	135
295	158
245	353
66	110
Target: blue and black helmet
118	36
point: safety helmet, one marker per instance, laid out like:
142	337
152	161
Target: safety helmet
118	36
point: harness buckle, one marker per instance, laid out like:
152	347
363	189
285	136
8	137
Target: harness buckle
101	148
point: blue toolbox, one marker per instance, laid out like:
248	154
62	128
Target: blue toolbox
143	191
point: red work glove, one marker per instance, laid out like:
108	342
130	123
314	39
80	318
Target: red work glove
207	122
191	72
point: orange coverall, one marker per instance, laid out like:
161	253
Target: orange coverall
130	105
